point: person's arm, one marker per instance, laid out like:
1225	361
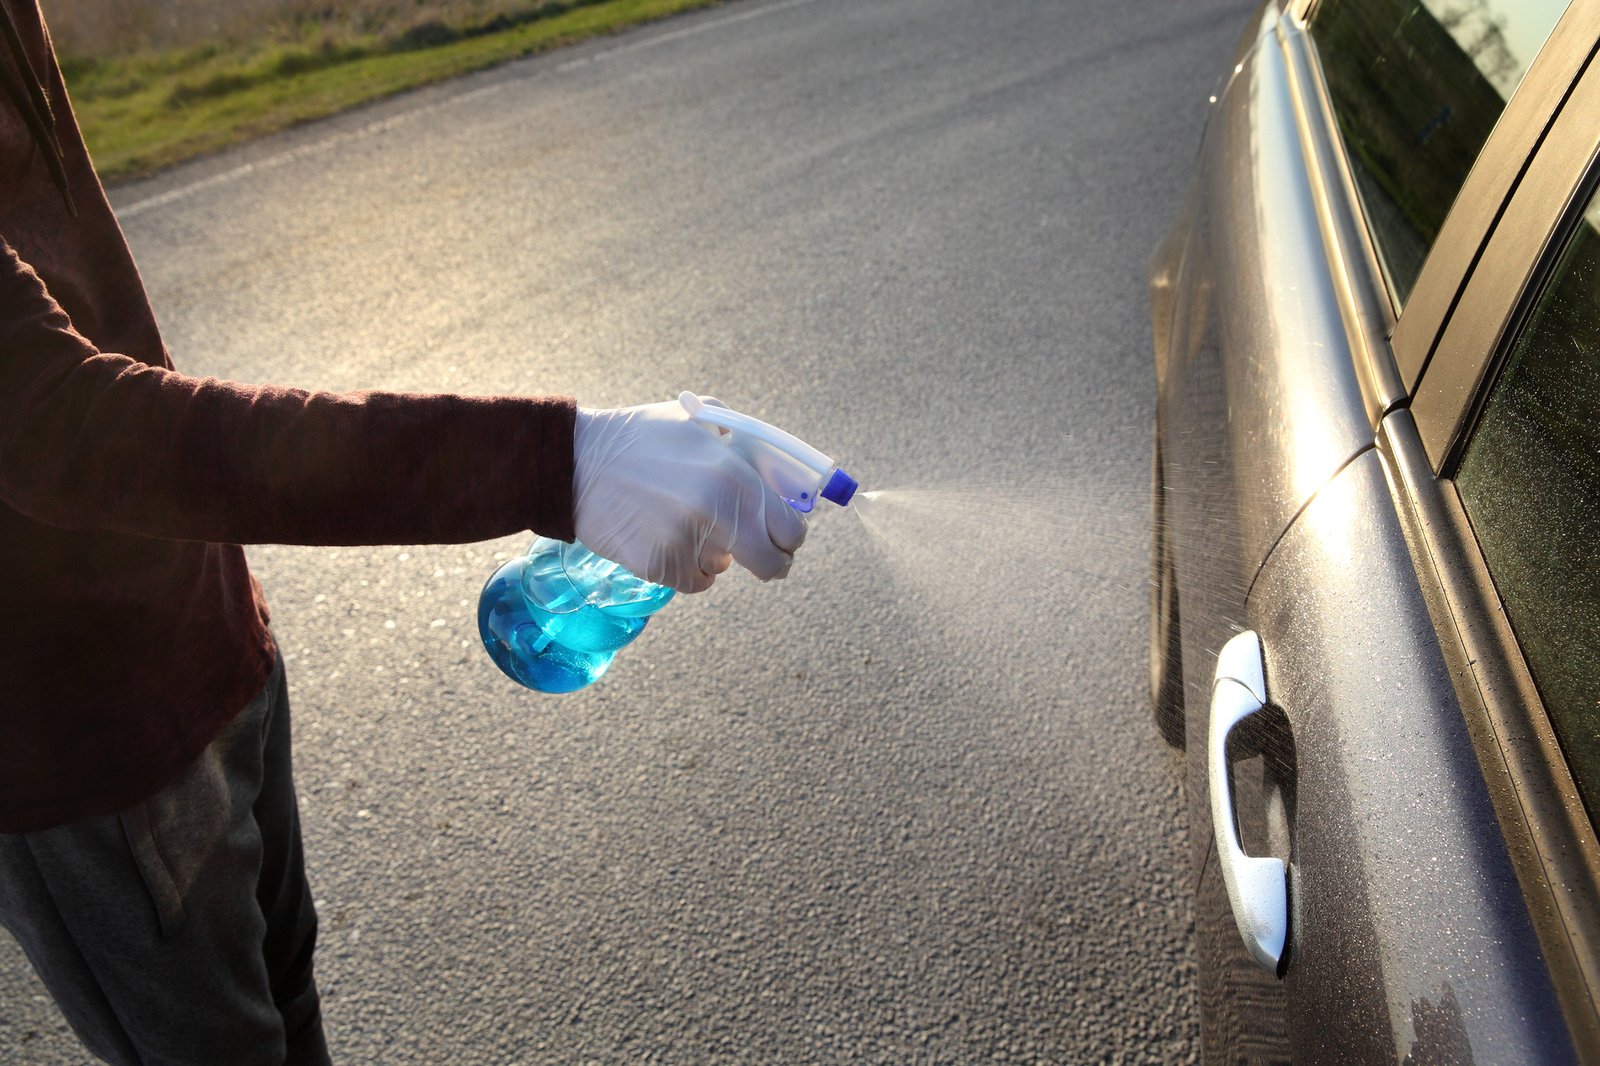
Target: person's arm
97	440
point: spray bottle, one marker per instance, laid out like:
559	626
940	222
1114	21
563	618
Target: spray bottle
553	619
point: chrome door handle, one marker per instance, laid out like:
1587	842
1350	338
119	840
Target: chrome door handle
1258	888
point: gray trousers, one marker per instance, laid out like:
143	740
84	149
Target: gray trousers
182	929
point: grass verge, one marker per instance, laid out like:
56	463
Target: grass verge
147	111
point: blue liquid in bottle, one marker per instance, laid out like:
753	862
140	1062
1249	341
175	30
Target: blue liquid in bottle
553	619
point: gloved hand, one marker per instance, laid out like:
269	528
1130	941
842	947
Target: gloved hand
672	502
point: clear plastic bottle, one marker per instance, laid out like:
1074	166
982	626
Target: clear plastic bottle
553	619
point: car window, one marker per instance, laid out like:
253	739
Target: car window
1416	86
1530	481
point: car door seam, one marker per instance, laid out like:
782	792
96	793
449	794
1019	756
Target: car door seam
1358	453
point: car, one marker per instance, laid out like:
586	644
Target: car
1375	591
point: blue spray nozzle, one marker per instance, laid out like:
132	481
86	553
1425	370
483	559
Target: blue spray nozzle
840	488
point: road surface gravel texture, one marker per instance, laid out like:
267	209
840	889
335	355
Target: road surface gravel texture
798	823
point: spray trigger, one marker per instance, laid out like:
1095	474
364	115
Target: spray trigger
788	465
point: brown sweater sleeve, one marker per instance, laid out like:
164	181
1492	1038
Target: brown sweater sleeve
91	440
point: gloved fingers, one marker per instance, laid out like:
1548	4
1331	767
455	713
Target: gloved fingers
749	541
699	581
786	527
679	571
761	558
711	544
714	561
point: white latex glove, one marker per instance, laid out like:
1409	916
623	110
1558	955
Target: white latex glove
672	502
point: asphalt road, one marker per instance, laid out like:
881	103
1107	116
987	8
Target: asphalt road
852	817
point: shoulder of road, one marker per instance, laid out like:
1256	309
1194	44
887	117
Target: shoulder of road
147	110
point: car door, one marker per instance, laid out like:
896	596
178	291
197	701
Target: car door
1408	930
1416	688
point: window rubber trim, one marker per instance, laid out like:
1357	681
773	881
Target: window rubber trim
1512	264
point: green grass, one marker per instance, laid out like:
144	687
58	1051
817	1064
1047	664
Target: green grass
147	111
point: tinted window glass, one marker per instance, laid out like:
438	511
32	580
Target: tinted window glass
1530	480
1417	85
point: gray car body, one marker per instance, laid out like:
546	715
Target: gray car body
1296	496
